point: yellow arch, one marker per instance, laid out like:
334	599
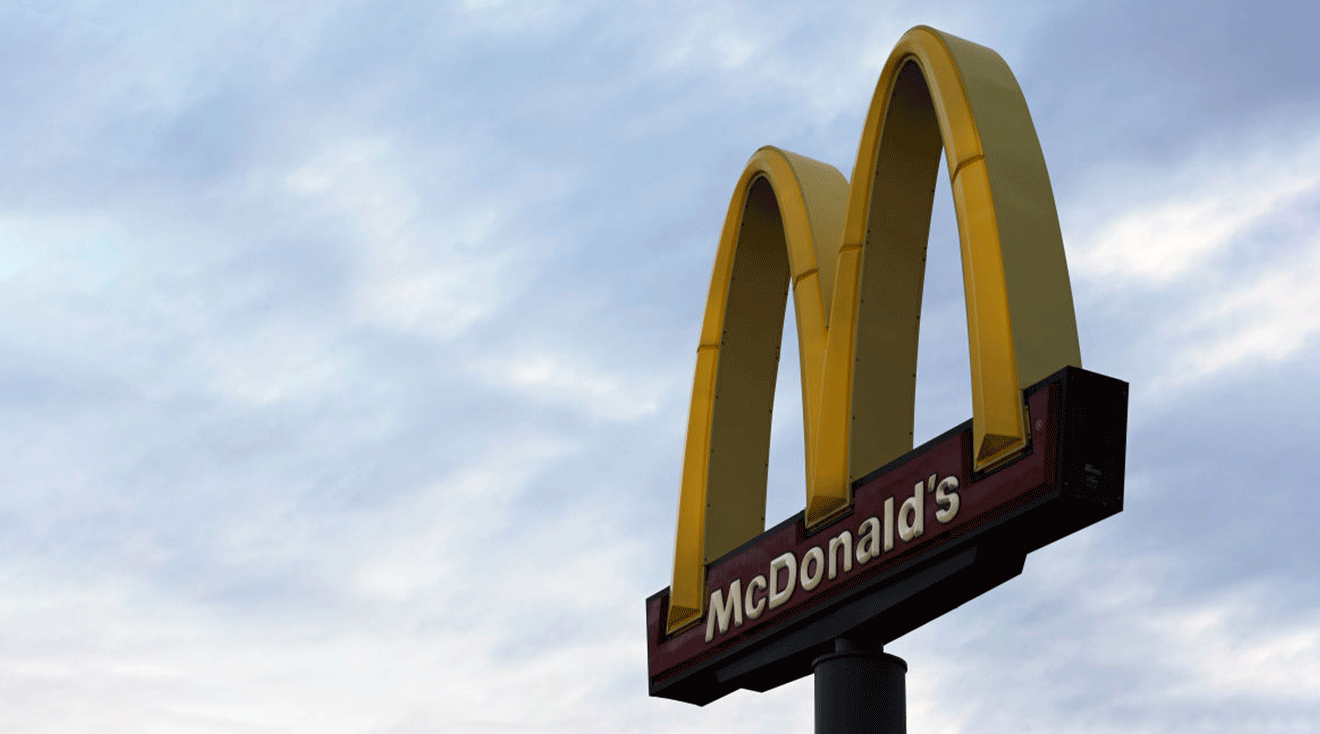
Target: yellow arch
855	255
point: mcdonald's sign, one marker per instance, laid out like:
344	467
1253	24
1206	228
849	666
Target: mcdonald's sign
890	536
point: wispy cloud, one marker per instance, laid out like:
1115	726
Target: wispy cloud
1226	242
347	348
1181	222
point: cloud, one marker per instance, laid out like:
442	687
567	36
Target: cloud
438	269
346	356
1180	222
1223	241
1270	318
579	387
1096	636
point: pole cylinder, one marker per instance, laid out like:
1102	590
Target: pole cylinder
860	691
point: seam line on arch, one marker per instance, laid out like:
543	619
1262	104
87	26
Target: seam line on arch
966	163
706	347
798	278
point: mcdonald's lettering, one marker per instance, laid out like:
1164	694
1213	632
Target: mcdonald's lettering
889	536
786	574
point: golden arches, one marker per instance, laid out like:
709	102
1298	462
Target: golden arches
855	256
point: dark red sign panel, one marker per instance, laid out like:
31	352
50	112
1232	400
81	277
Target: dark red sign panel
926	534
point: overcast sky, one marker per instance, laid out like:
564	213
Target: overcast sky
346	351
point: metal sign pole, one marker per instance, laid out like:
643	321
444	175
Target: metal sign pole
860	691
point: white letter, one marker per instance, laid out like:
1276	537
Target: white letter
719	609
947	496
889	523
810	582
788	562
843	540
868	541
916	504
754	608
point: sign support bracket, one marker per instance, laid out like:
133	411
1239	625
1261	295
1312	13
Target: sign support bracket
860	689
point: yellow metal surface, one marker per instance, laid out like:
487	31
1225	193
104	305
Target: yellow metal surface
783	206
854	256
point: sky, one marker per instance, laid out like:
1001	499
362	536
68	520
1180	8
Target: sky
346	350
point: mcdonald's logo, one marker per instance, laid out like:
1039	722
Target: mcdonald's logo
853	254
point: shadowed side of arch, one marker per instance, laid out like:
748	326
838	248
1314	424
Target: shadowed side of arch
940	93
785	210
